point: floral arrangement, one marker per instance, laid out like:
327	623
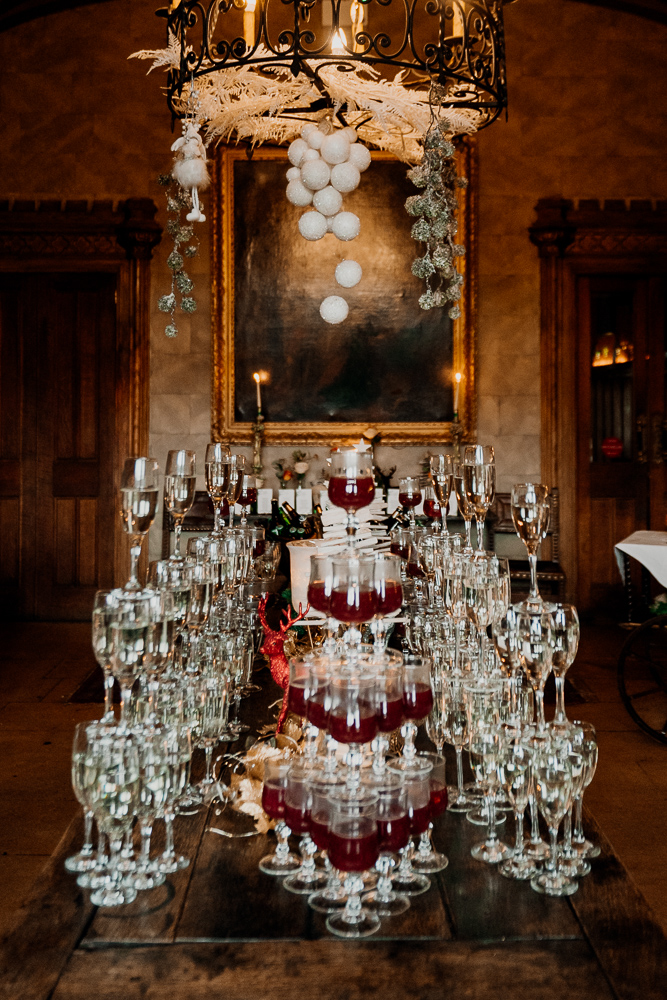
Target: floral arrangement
293	472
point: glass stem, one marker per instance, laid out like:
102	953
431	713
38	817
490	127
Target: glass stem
539	699
125	698
384	882
282	835
559	715
208	777
425	846
177	537
146	833
231	513
459	772
491	836
135	552
115	849
168	852
443	518
380	745
479	521
567	833
244	516
308	850
108	692
579	836
468	524
87	848
532	562
518	841
353	887
552	864
535	837
409	733
217	519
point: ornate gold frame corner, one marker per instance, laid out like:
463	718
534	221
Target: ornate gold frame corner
223	424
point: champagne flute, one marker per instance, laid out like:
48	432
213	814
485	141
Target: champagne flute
465	508
217	474
535	654
565	645
180	480
484	757
530	514
589	750
104	610
351	484
85	860
442	475
479	484
247	496
236	466
139	495
130	646
514	773
457	734
552	780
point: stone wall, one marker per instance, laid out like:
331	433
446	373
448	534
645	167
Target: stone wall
587	117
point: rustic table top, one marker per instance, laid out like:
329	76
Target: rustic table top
221	928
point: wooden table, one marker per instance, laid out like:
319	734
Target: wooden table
221	929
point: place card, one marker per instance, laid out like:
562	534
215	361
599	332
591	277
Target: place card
392	500
285	495
264	498
304	501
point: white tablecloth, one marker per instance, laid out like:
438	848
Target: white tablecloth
647	547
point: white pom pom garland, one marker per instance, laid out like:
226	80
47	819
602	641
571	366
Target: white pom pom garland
296	151
336	148
349	132
348	273
315	139
346	226
298	194
312	226
345	177
334	309
308	129
315	174
293	174
310	154
360	157
328	201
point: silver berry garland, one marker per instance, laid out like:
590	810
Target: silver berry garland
181	282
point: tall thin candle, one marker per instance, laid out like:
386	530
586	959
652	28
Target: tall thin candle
457	384
259	392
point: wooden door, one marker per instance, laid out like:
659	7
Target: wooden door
621	374
57	419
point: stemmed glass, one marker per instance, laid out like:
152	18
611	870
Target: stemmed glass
432	508
298	805
139	496
427	859
212	700
484	757
505	633
351	484
478	472
153	790
178	750
354	599
352	717
514	773
456	730
535	638
442	475
85	860
387	577
552	780
416	780
282	861
465	508
530	513
393	827
217	475
388	709
236	469
353	849
176	579
324	785
589	750
409	496
565	644
104	610
320	584
417	703
180	479
247	496
129	646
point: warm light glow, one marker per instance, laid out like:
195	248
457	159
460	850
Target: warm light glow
339	43
250	6
458	376
261	376
256	377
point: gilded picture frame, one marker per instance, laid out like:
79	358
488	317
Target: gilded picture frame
232	412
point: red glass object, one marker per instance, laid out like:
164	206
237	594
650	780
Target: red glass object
317	712
353	854
247	497
399	550
417	701
438	798
351	494
393	834
410	499
432	509
296	699
352	605
389	714
360	727
319	830
318	598
273	801
390	596
297	819
419	818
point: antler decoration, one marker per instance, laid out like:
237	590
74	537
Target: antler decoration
273	647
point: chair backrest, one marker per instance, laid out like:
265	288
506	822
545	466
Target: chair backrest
499	522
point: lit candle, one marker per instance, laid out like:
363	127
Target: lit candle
259	392
457	384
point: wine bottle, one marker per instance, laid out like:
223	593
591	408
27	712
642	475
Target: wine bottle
399	519
276	529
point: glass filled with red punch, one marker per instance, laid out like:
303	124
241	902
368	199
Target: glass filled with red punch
281	862
409	496
354	599
389	590
353	849
351	484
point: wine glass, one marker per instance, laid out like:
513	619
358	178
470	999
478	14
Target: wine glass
505	633
432	509
176	579
217	473
530	514
104	610
353	849
153	789
426	858
417	703
323	786
354	599
589	749
409	496
552	780
320	584
178	750
393	826
139	495
282	861
180	480
212	700
465	508
442	476
247	496
478	472
565	644
400	542
514	773
388	709
387	577
351	484
352	717
535	637
416	781
298	805
484	757
235	473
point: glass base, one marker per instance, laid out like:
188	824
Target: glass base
93	879
521	869
328	900
410	884
307	883
456	805
365	924
171	865
554	885
574	867
479	817
271	864
586	849
113	897
385	907
81	863
491	853
536	852
433	862
535	606
150	879
190	802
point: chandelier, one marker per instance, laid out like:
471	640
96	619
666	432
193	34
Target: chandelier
383	64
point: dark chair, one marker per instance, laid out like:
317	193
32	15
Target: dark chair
550	574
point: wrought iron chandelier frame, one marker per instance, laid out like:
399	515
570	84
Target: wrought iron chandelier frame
464	57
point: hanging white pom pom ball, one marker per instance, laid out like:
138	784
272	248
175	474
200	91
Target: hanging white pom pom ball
334	309
348	273
293	174
296	150
315	139
349	132
345	225
298	194
336	148
310	154
312	226
315	174
360	157
328	201
307	130
345	177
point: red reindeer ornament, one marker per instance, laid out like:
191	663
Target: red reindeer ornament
273	647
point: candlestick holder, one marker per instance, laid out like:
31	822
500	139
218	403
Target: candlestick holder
457	436
258	434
